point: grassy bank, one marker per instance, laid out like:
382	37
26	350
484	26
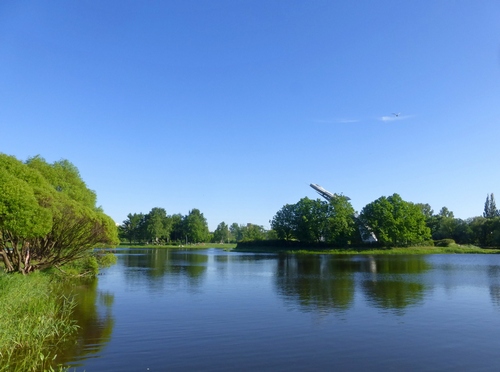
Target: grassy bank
182	246
34	320
407	250
255	247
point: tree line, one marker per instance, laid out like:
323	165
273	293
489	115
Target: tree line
394	222
156	227
480	230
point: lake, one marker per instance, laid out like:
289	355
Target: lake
212	310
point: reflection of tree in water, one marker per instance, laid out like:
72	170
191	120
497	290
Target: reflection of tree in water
155	264
495	295
494	284
392	283
317	283
385	264
393	294
322	283
93	317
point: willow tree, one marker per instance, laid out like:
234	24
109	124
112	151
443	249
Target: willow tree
48	216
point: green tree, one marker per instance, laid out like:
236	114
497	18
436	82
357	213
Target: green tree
157	226
341	221
177	233
253	232
426	209
445	226
65	178
284	222
48	216
22	218
445	213
196	227
271	235
462	233
236	232
311	220
132	228
485	231
479	230
490	208
395	222
221	233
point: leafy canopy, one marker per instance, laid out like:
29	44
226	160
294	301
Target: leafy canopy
48	216
396	222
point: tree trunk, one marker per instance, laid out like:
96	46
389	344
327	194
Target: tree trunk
6	261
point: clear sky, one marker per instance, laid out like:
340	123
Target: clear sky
235	107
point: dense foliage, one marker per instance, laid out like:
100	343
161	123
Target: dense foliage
490	207
395	222
157	227
392	220
478	230
313	221
48	216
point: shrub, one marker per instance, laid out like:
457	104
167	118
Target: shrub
444	243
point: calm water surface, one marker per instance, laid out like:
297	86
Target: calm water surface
172	310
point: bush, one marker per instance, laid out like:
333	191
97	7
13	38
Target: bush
426	243
444	243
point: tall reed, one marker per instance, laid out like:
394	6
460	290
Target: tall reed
34	319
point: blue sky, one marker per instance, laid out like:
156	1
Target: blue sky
235	107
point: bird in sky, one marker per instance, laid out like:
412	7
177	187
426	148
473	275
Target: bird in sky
396	114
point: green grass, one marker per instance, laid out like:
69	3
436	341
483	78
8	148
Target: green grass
189	246
34	320
455	249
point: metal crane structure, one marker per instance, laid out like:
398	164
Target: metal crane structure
366	234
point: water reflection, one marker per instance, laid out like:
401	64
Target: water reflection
395	282
494	284
316	283
156	264
217	309
324	283
385	264
94	319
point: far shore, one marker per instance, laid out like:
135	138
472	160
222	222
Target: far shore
371	251
256	248
180	246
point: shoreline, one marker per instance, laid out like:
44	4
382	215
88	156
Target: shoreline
254	247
